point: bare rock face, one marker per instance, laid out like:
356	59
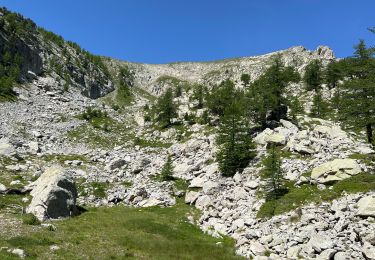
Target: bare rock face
325	52
54	195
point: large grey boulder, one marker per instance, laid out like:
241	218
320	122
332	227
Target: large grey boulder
366	207
320	242
54	195
203	202
336	170
6	148
275	138
257	248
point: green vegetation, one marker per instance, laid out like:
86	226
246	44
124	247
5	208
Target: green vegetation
30	219
221	97
166	109
13	201
273	174
150	143
99	189
368	159
166	173
143	93
96	118
236	147
313	75
101	128
11	59
333	74
125	81
264	96
357	102
99	133
16	24
320	107
51	37
245	79
181	184
121	233
295	108
299	196
87	57
199	94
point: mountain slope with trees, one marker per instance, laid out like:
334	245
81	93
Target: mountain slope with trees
271	155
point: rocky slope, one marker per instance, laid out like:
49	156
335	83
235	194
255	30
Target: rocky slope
117	159
156	78
44	53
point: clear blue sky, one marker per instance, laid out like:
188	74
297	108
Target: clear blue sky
160	31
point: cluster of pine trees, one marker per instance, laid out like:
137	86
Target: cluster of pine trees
353	80
261	103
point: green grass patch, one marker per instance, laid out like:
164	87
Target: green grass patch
30	219
99	189
97	119
12	201
143	93
368	159
299	196
151	143
98	138
10	97
127	183
181	184
125	233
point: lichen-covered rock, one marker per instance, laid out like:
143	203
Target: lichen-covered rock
366	206
336	170
54	195
276	138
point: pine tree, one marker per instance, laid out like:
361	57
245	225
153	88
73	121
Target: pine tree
236	147
166	173
264	96
333	74
320	107
358	94
295	108
273	174
221	97
198	95
313	75
245	78
166	109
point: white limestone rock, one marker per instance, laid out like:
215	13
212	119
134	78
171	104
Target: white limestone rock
336	170
54	195
366	206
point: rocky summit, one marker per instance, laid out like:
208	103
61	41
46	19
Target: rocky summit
82	135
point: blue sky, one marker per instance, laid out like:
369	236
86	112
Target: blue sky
160	31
